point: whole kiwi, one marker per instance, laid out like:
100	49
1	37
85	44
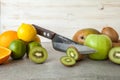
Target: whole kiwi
116	44
112	33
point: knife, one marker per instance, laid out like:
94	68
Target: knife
61	43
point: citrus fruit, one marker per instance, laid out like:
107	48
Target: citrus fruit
37	38
26	32
4	54
7	37
18	49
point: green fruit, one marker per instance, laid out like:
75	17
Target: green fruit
73	52
38	54
67	61
114	55
18	49
81	34
101	43
32	45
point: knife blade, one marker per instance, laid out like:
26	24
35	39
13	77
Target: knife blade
60	42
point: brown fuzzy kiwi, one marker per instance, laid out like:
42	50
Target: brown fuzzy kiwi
112	33
119	41
116	44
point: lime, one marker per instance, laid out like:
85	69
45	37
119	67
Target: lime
18	49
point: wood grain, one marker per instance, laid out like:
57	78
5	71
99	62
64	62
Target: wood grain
63	16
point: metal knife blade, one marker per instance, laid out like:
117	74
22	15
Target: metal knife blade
60	42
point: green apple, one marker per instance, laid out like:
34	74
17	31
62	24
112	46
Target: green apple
101	43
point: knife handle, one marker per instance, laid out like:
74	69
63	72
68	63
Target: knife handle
44	32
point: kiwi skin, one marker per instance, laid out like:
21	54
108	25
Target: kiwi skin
112	33
116	44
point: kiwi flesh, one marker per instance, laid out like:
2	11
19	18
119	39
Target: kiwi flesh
73	52
67	61
32	45
38	54
114	55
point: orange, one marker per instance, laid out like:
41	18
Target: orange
26	32
4	54
37	38
7	37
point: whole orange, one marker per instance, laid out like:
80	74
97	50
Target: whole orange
7	37
37	39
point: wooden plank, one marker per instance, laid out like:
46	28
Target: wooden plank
68	15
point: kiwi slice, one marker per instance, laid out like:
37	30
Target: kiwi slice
73	52
114	55
38	54
67	61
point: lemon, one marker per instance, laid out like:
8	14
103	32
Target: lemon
26	32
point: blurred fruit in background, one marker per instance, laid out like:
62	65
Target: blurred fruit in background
81	34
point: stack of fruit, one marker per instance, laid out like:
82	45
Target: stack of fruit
26	40
17	43
106	43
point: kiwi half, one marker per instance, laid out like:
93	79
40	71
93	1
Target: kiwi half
67	61
73	52
114	55
32	45
38	54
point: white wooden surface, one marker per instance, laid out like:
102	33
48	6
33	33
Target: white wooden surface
62	16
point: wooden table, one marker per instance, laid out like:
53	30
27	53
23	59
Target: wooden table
52	69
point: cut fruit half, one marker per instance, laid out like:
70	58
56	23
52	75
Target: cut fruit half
38	54
114	55
73	52
67	61
4	54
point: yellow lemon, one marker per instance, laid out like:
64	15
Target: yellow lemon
26	32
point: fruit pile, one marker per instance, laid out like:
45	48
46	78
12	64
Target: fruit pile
106	43
25	41
16	44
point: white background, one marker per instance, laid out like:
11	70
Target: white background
62	16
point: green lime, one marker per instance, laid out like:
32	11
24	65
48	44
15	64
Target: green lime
18	49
